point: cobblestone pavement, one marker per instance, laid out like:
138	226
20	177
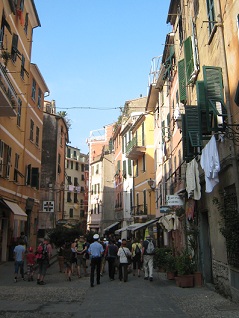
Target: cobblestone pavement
137	298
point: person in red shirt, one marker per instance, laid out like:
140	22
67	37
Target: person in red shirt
31	260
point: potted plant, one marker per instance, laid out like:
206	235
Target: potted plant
185	267
170	265
159	257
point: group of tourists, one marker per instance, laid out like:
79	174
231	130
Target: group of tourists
122	256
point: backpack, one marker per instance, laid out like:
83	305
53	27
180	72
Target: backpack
150	248
41	252
137	250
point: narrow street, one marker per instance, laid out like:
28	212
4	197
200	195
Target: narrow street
136	298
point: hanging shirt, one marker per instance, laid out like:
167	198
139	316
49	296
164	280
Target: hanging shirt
192	180
210	164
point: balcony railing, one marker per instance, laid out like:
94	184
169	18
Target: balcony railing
8	95
135	148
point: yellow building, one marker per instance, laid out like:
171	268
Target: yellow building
22	90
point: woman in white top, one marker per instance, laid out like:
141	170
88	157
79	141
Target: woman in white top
123	252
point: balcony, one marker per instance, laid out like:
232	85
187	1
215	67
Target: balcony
135	148
8	95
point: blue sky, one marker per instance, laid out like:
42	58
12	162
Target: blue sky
96	55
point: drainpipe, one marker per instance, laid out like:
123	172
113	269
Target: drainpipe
227	94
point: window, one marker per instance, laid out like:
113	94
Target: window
182	81
15	178
39	98
97	169
69	180
210	15
72	165
77	166
143	164
59	163
129	167
124	169
14	51
2	30
5	159
26	24
82	177
143	141
136	168
76	181
32	176
37	135
62	135
31	130
68	152
75	198
68	197
33	89
71	213
74	154
19	112
145	202
22	66
82	168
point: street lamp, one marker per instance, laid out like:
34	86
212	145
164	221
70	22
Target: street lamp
151	183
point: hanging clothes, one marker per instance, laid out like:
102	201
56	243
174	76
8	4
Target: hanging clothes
193	186
210	163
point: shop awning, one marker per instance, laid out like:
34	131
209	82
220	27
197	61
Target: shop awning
133	226
110	227
143	225
121	230
19	214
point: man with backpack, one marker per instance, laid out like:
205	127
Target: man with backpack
136	253
148	251
43	255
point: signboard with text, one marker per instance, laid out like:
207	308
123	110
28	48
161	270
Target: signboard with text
174	200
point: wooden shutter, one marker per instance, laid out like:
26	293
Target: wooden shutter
182	81
124	168
193	125
188	53
129	167
214	97
206	118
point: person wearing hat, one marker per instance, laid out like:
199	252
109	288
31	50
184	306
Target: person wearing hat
148	257
96	251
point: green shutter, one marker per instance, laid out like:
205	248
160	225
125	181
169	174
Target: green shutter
124	168
193	125
182	81
185	140
129	167
188	53
215	105
206	118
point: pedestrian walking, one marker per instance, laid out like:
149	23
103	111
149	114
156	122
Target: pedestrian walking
73	256
81	251
23	237
67	254
104	243
136	254
148	255
43	255
111	255
96	251
123	253
18	254
31	261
